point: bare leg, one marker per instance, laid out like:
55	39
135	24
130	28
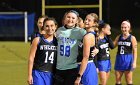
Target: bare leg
107	75
128	77
118	75
103	77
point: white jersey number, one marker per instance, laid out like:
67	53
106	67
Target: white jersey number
49	57
122	50
107	52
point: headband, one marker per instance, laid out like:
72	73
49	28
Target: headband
75	12
127	23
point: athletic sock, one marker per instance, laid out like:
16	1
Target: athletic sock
118	84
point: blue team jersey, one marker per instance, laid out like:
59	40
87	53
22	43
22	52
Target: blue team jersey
124	57
103	47
124	45
90	76
46	53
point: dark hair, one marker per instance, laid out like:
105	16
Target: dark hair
49	18
43	16
102	24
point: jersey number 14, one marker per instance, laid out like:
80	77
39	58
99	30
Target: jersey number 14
49	57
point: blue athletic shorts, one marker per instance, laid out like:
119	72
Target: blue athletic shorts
104	65
42	78
124	62
90	76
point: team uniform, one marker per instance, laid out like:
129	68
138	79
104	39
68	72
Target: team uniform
34	35
90	76
124	57
103	56
44	62
68	41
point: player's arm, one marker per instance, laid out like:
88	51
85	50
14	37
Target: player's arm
86	51
31	59
108	34
111	44
134	46
116	41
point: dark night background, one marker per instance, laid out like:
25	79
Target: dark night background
114	11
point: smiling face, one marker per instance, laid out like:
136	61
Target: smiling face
89	21
70	19
125	27
40	23
50	27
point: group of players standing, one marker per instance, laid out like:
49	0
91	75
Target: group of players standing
70	55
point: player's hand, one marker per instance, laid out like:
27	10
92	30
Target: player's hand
97	70
94	52
30	80
134	65
77	81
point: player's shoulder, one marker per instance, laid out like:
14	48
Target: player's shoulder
82	31
89	36
35	40
61	28
118	36
133	38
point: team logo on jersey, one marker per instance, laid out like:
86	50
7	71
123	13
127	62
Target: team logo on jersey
124	43
47	47
66	40
104	46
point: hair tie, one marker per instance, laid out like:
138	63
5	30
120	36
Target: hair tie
101	22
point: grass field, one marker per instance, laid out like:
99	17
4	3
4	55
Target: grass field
13	64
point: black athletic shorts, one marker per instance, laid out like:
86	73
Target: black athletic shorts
65	77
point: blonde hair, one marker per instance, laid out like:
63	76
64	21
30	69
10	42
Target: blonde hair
127	22
80	19
80	22
96	20
96	29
